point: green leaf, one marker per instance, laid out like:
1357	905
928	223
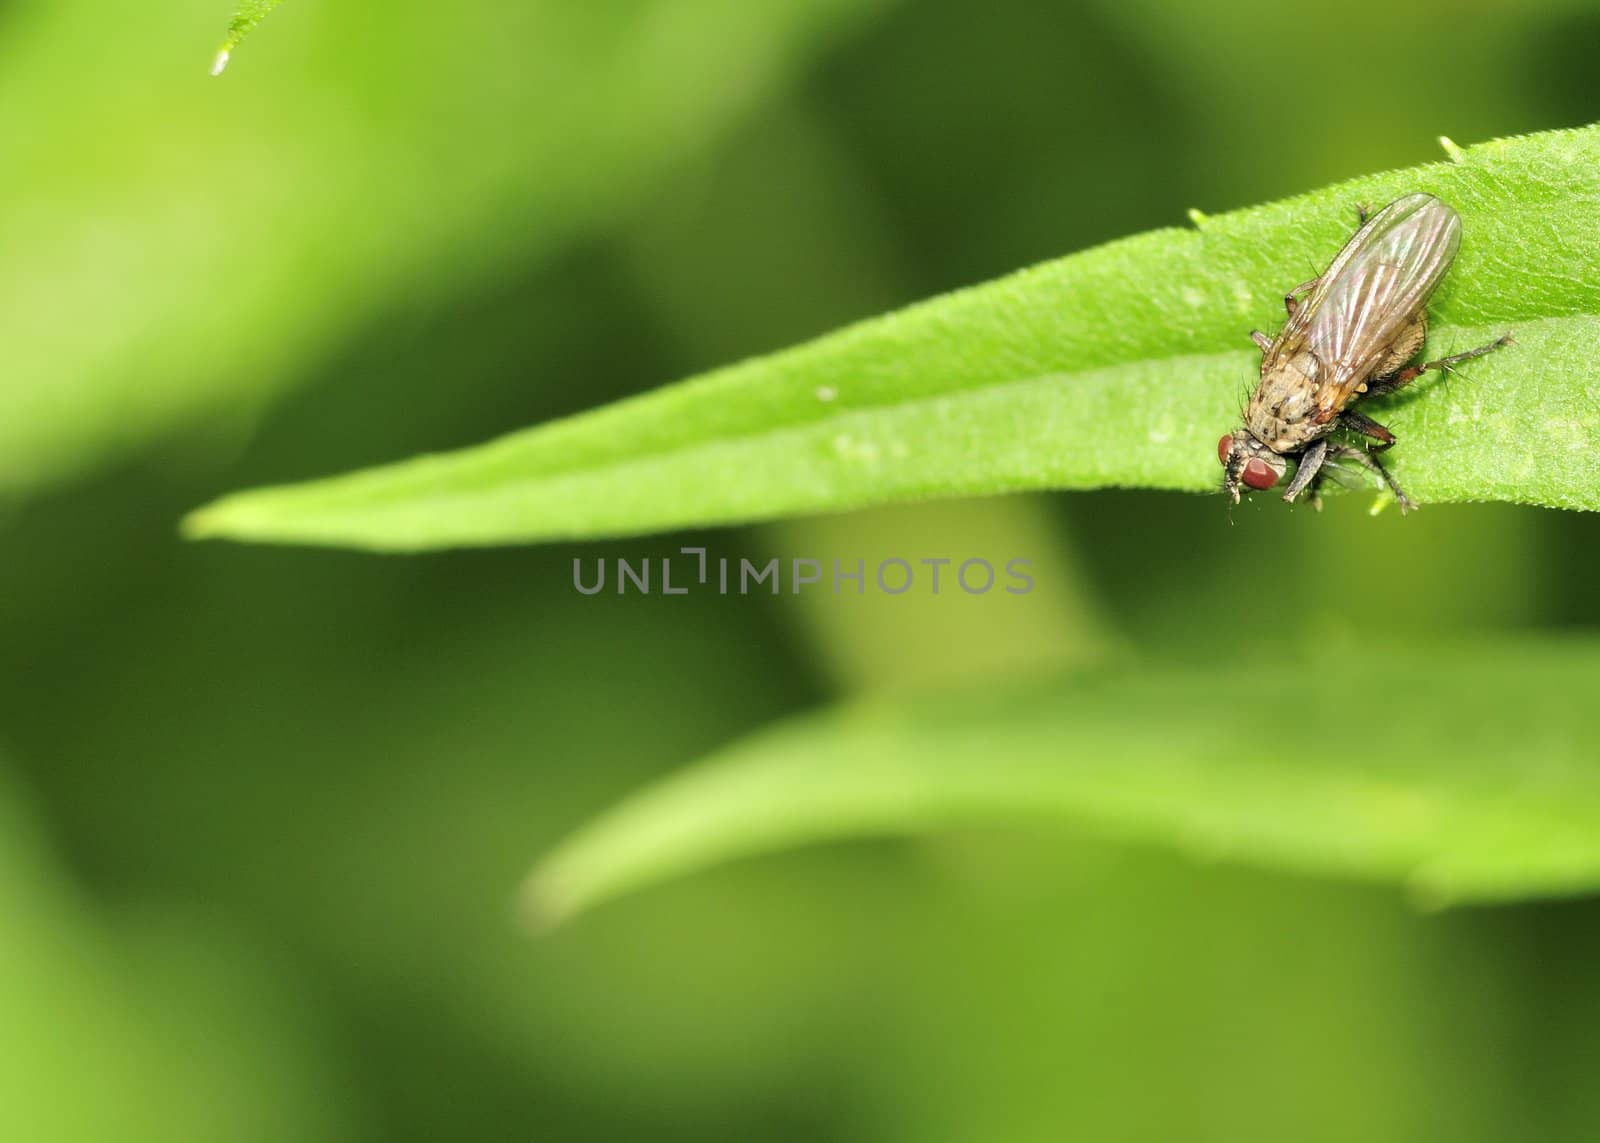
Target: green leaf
178	259
1119	366
250	13
1471	781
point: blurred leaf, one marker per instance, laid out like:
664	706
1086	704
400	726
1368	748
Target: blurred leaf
1111	367
936	633
164	1029
1464	776
178	252
250	13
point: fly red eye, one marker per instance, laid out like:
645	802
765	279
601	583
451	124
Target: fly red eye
1257	475
1224	447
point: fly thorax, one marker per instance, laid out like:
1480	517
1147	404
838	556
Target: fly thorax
1285	399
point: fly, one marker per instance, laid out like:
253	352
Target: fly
1351	332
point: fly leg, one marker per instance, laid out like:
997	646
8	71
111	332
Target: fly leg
1314	493
1410	373
1291	300
1310	465
1372	464
1356	423
1367	427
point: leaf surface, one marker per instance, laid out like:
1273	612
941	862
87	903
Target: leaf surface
1119	366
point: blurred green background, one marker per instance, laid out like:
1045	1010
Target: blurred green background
262	811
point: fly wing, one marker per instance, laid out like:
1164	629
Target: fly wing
1376	287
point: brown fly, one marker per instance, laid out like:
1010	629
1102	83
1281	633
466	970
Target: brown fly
1351	332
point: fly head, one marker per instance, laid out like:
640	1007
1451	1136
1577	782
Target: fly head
1247	461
